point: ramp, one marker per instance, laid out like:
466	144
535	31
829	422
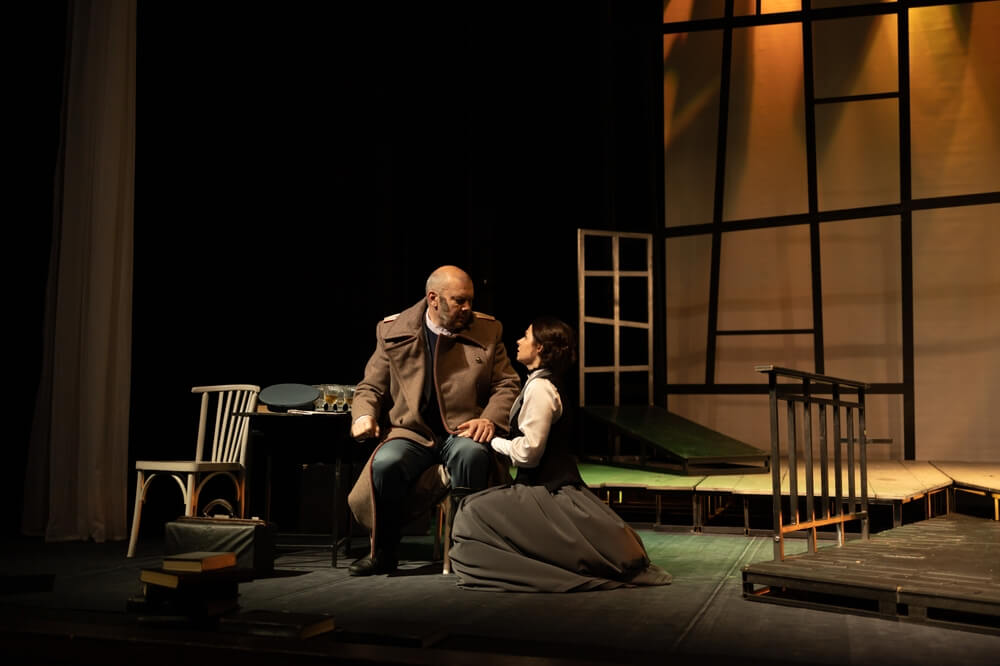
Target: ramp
671	442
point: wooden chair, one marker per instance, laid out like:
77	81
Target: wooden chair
227	455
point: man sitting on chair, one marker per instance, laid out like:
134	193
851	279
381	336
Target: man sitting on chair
442	372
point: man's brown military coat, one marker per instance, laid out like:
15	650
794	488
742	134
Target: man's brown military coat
474	380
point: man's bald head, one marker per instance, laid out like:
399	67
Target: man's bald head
449	292
447	277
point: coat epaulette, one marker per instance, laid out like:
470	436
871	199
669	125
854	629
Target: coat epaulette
391	317
480	315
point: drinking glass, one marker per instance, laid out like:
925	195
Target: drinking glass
340	398
330	396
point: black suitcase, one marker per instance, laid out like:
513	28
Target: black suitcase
251	539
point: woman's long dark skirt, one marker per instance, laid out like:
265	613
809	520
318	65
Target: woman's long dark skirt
525	539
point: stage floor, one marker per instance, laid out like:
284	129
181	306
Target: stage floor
888	480
420	616
890	483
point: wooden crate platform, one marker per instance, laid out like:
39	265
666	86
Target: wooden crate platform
977	478
940	571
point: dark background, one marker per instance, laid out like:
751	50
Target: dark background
301	168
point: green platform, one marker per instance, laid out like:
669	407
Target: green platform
608	476
684	446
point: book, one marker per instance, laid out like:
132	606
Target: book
198	595
156	602
287	624
195	579
200	560
221	590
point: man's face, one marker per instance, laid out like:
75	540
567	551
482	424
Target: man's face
451	307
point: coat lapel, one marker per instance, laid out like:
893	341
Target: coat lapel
407	353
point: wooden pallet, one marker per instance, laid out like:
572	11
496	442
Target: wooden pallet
941	571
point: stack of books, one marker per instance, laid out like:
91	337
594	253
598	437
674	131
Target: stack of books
196	585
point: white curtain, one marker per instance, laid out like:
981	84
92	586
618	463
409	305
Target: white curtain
77	471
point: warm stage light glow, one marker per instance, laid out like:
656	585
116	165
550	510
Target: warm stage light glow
955	99
675	11
777	6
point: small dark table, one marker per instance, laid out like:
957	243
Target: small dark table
302	432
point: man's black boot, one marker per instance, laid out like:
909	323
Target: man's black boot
384	561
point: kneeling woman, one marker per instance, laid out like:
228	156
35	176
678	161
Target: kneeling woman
547	532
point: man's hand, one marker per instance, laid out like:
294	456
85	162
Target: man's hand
364	427
480	430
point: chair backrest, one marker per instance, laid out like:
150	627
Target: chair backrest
230	431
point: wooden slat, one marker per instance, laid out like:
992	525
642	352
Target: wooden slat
892	480
929	476
981	475
739	484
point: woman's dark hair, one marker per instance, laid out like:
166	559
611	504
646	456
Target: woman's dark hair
558	343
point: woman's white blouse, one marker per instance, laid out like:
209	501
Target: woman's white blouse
540	409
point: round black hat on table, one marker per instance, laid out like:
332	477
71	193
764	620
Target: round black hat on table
282	397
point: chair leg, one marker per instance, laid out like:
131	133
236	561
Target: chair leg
437	532
449	515
452	501
191	497
242	492
139	499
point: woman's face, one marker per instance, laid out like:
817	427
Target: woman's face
527	351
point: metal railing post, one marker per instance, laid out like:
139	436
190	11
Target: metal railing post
772	383
856	500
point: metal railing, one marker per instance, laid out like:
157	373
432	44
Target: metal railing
802	398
